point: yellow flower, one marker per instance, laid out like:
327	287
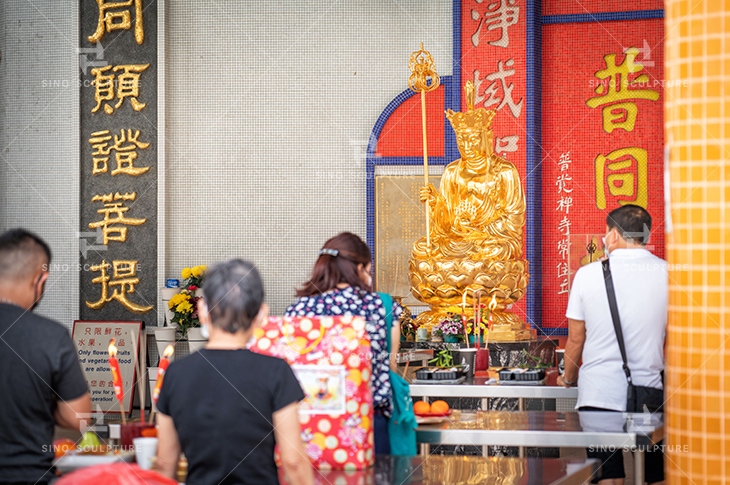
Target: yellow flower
203	267
184	307
186	273
197	271
176	300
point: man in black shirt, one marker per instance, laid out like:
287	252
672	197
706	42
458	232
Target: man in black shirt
41	382
225	406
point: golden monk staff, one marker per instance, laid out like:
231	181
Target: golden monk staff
421	66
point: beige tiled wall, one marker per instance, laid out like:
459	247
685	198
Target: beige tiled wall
698	131
39	147
269	109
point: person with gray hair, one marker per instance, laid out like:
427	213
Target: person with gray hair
41	381
226	407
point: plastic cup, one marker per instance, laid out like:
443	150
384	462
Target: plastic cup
144	450
466	358
560	357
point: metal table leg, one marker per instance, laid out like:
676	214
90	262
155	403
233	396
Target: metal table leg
485	408
521	407
639	456
425	448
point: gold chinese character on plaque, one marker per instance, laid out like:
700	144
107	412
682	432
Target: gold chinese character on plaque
118	16
125	154
110	232
125	277
627	169
127	86
618	88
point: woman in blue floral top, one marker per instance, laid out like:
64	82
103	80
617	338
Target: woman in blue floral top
341	285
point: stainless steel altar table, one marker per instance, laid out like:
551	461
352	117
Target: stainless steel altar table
636	432
453	470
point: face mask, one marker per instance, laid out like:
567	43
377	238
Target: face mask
605	246
204	331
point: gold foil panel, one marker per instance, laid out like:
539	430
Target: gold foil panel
400	220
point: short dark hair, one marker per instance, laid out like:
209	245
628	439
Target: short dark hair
18	249
338	266
234	293
633	222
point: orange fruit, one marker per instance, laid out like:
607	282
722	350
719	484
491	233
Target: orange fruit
420	407
63	446
439	407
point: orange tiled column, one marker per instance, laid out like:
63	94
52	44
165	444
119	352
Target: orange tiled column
698	134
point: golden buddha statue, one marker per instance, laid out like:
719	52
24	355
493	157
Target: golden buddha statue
476	222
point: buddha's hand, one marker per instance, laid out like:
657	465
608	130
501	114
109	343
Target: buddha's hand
429	194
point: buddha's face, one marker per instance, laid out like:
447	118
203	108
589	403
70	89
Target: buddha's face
471	144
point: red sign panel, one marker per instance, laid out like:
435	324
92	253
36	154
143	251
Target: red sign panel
603	138
494	57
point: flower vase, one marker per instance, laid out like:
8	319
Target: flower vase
195	339
451	339
164	336
167	294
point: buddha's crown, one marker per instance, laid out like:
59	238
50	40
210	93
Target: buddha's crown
473	119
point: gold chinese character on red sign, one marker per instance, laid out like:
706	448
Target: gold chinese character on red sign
116	208
125	154
618	112
627	168
112	18
125	277
128	86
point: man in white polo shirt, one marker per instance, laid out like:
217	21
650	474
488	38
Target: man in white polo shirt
640	282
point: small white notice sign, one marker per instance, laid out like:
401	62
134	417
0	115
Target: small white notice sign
92	347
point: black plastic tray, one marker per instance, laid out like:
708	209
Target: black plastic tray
437	374
525	375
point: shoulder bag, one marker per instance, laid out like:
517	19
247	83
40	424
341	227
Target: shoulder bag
402	424
639	399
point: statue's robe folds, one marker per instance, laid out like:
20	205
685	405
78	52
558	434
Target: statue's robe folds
479	214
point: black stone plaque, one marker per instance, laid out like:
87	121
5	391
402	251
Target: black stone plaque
118	111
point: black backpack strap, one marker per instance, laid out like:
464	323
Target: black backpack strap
614	315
